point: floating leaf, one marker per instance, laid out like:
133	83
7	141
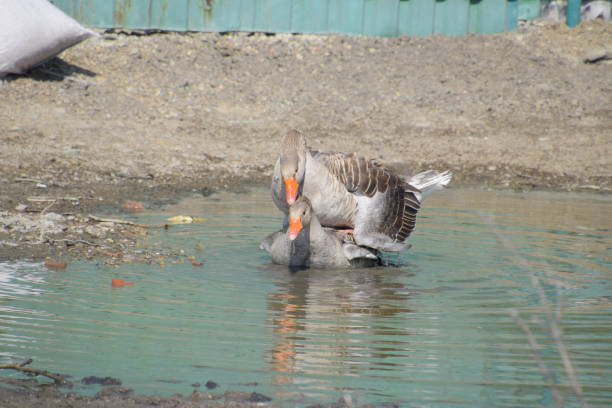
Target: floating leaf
59	265
181	219
184	219
133	205
117	283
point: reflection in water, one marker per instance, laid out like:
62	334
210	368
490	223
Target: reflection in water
323	320
435	330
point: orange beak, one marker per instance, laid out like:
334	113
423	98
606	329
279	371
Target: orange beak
295	226
291	189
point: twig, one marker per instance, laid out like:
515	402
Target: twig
553	328
43	241
73	241
26	362
536	353
58	378
30	180
134	224
46	199
48	206
555	332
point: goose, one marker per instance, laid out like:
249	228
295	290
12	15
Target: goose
350	191
305	243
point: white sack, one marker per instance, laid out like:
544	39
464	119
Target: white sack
32	31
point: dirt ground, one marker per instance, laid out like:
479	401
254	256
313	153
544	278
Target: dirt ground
154	117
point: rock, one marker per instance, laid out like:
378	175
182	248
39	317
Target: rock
113	390
597	54
95	231
52	223
238	396
100	380
242	396
211	385
199	396
257	397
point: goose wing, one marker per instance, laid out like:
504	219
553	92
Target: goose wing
396	202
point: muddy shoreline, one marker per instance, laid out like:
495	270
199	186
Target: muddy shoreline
122	396
24	395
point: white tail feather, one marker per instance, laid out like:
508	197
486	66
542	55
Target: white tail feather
430	181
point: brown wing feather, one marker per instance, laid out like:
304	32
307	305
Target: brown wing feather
410	209
362	176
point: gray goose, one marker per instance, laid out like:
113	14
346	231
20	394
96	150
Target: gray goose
305	243
350	191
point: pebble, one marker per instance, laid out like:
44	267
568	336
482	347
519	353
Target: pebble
92	379
21	207
198	396
257	397
112	390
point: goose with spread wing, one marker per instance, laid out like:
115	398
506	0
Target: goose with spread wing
306	243
350	191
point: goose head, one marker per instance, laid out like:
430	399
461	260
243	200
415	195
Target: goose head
300	215
293	164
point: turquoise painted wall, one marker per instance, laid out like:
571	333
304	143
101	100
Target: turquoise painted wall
367	17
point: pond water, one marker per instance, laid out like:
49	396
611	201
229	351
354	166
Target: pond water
436	330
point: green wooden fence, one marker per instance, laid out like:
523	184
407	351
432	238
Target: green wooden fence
367	17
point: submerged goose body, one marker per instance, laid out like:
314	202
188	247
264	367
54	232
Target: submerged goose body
306	243
347	190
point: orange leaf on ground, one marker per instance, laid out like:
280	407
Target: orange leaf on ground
133	205
117	283
59	265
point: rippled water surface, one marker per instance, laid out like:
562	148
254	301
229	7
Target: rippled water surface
436	330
